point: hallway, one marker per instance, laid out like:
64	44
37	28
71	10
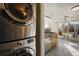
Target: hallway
65	48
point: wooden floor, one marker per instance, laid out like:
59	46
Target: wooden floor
65	48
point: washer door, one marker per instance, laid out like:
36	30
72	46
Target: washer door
21	12
26	51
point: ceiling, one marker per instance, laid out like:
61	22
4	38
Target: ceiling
57	11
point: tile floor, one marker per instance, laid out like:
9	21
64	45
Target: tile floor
65	48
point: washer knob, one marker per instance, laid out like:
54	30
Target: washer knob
20	43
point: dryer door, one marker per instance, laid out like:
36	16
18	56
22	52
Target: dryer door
21	12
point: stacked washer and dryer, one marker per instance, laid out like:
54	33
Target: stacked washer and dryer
17	29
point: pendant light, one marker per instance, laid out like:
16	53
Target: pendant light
75	8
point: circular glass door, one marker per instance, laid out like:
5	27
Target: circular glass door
21	12
26	51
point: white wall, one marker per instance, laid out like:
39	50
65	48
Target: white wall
54	27
48	23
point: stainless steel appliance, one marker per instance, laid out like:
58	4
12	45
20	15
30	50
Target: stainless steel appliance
15	22
18	48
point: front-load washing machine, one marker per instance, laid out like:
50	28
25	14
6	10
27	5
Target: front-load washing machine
16	22
19	48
